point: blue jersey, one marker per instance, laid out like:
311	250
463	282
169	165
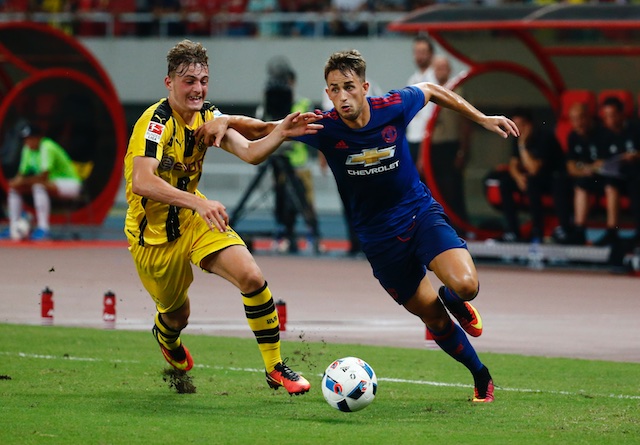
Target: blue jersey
373	168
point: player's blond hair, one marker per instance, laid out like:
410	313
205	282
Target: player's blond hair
185	54
346	62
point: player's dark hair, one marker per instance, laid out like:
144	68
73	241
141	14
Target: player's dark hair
185	54
613	101
422	38
346	62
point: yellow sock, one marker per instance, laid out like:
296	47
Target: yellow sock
166	336
263	321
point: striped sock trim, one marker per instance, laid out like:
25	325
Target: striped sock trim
168	337
256	292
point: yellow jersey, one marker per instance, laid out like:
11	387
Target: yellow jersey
162	134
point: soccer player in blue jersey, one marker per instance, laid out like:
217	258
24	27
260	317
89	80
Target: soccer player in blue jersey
403	230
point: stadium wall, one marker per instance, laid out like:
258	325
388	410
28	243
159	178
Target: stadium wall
238	66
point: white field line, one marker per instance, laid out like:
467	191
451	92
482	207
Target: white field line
382	379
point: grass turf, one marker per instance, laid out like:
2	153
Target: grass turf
86	386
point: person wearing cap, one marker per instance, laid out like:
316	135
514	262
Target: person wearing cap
45	171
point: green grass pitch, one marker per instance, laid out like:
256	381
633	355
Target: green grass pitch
89	386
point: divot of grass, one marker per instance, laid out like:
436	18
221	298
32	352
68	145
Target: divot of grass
179	380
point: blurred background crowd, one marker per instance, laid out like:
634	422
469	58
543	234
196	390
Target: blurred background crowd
236	18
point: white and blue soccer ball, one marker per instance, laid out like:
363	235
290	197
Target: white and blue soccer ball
21	229
349	384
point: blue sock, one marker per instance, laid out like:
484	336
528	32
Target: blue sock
450	296
454	342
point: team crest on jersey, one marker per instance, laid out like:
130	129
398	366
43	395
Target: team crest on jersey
154	132
167	163
389	134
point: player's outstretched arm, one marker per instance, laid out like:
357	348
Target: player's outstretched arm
254	152
214	130
448	99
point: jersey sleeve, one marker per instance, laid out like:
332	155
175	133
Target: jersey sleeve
413	100
150	135
309	139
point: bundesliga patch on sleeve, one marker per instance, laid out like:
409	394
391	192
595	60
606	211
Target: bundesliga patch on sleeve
154	132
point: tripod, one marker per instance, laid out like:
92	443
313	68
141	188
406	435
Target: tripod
291	199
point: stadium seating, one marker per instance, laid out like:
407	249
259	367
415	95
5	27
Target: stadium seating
563	127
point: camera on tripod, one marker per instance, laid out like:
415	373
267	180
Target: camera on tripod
278	94
290	191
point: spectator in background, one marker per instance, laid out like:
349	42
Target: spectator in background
161	10
536	167
236	28
45	171
347	22
583	164
619	148
449	146
303	28
422	56
260	7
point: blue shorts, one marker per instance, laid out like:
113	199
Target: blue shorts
400	263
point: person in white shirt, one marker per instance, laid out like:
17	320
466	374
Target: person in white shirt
422	56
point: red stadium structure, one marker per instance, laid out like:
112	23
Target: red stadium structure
48	78
528	56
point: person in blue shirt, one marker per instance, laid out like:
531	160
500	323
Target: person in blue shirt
402	229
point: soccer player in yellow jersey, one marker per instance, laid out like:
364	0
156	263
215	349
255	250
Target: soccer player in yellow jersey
169	224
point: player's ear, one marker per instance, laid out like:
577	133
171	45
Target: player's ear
365	87
167	82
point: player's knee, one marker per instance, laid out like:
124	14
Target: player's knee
466	288
251	281
176	321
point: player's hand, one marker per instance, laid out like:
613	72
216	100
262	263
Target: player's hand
501	125
299	124
214	214
212	132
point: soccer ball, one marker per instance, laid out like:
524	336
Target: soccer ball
21	229
349	384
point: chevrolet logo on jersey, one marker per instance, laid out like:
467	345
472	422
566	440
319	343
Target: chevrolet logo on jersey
371	156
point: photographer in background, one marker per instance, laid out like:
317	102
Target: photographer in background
293	185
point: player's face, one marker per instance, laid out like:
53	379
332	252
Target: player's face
348	94
188	89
